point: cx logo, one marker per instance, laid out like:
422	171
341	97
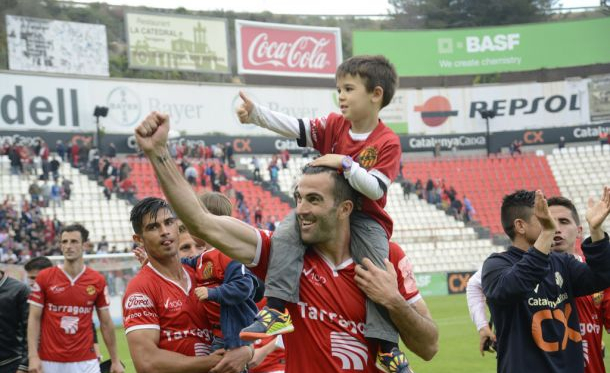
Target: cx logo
242	145
556	315
533	137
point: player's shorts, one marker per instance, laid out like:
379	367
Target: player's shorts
87	366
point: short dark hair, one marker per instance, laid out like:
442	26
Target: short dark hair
562	201
217	203
517	205
374	71
342	190
84	233
38	263
144	207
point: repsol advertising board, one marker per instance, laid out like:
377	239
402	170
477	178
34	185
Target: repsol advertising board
457	281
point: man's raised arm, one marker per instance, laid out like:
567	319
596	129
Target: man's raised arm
231	236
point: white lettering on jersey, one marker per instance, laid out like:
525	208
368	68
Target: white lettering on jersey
585	350
352	353
75	310
202	349
69	324
171	304
313	313
179	334
138	300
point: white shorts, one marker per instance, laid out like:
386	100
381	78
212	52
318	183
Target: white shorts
87	366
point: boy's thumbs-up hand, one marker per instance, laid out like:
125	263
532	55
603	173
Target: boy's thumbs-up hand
245	109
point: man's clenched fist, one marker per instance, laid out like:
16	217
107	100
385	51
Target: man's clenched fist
151	134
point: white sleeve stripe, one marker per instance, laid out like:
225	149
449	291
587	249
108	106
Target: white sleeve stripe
259	249
414	299
33	303
386	180
140	327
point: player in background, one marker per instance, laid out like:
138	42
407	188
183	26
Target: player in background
166	326
368	153
61	306
531	291
593	310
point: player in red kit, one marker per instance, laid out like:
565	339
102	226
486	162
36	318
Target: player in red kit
368	153
61	306
167	328
325	202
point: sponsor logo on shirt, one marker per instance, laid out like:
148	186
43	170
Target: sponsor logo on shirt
313	277
74	310
56	289
172	304
69	324
547	302
174	335
368	157
138	300
313	313
91	290
558	279
352	353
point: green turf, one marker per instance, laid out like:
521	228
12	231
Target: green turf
459	341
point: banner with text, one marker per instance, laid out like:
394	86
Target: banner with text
51	46
278	49
490	49
36	102
177	42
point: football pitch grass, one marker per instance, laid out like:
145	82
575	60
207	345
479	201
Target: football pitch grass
458	353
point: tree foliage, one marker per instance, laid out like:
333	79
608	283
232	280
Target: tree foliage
440	14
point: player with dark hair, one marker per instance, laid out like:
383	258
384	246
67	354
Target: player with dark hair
61	306
330	318
368	153
531	291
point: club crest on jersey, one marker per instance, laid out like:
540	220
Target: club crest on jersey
208	271
368	157
91	290
598	298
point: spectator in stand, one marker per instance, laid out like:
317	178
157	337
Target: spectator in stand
111	151
258	213
229	154
74	151
257	169
419	189
203	170
407	188
15	158
515	147
285	157
124	171
430	190
469	211
274	173
43	153
603	137
103	245
128	190
108	187
191	174
562	142
55	195
244	211
60	149
66	186
222	177
437	150
46	193
54	168
455	209
35	192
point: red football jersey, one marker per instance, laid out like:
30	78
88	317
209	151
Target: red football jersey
594	315
379	154
152	301
67	303
211	273
329	320
276	360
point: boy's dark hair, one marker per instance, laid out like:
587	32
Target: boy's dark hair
38	263
146	206
518	205
342	190
374	71
84	233
217	203
562	201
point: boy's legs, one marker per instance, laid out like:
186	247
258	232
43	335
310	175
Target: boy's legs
286	262
282	282
369	240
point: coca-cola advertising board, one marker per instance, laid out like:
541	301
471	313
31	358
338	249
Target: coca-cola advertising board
288	50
